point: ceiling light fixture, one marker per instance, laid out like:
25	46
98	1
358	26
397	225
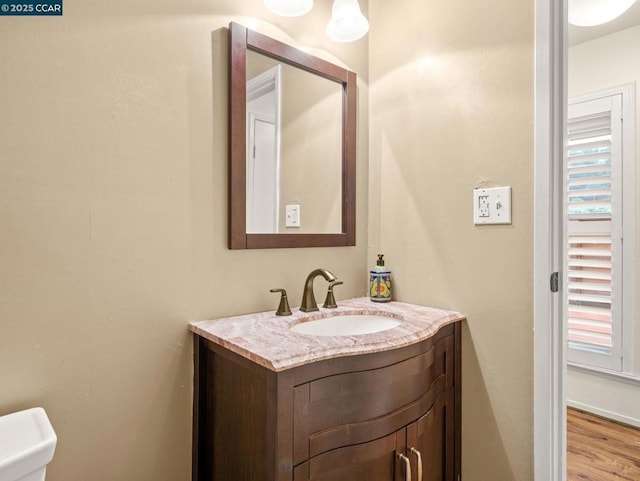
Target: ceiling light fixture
345	25
347	22
588	13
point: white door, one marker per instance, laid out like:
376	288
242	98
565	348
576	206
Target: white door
262	176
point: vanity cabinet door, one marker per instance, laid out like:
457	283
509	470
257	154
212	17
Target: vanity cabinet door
371	461
432	437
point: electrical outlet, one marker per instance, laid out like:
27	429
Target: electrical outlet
483	205
492	206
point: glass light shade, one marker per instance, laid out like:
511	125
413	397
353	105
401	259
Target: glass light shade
347	22
289	8
588	13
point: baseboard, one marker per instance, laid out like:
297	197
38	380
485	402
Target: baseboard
604	413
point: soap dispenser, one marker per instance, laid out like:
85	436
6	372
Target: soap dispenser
380	282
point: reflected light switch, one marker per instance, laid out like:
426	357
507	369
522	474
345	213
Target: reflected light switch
292	215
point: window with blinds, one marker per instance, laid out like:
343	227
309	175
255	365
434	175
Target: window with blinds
593	188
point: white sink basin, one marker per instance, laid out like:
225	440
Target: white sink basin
347	325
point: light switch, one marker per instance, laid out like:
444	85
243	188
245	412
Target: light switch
292	213
492	206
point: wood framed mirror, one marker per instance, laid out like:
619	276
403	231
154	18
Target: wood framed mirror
304	194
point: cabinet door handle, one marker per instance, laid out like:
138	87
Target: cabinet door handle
417	453
407	466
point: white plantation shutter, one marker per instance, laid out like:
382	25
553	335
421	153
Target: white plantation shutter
593	188
589	292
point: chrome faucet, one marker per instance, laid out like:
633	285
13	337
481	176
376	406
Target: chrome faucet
308	299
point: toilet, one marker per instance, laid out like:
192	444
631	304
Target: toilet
27	443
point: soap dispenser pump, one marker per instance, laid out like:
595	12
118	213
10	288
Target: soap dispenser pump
380	282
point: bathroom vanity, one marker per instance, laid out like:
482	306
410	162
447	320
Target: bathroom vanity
271	404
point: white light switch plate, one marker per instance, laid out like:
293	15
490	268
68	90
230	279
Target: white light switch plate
492	206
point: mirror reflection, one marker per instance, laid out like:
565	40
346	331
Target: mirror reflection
294	149
292	146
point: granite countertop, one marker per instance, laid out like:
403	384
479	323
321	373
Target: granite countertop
267	340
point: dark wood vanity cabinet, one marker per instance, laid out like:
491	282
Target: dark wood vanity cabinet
367	417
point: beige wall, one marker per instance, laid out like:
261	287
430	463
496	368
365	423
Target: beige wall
451	92
605	62
113	167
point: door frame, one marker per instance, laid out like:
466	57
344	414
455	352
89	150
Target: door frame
549	332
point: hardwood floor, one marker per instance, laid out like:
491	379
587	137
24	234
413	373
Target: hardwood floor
601	450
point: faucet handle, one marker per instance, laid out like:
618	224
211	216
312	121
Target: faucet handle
330	300
283	308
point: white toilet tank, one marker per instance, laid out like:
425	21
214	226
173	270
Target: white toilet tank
27	443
